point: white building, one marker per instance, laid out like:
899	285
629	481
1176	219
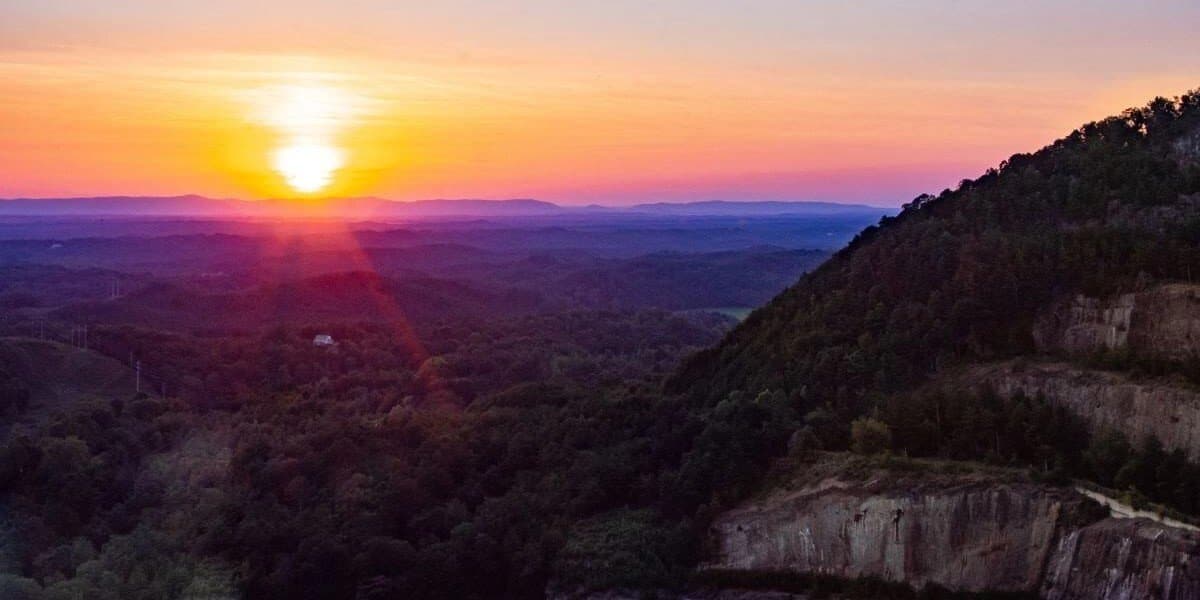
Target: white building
324	340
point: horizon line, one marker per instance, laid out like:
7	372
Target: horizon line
301	202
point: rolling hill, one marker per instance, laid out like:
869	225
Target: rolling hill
56	375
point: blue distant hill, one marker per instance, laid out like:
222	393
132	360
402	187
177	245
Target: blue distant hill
731	208
200	206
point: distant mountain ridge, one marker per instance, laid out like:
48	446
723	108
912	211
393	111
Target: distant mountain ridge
192	205
768	207
200	206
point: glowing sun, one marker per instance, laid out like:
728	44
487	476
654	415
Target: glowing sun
307	118
308	166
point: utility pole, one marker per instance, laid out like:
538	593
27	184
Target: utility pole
138	367
85	345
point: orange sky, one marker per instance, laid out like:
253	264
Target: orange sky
572	102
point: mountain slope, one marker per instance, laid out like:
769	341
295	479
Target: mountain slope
961	276
1082	244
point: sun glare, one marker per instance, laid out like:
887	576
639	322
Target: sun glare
308	166
307	119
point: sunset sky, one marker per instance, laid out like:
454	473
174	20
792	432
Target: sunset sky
575	102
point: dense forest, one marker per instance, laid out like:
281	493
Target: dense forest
454	464
501	456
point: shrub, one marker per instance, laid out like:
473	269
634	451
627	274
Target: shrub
870	436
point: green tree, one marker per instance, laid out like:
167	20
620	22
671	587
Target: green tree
870	436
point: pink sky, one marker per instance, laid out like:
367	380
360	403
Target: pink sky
581	102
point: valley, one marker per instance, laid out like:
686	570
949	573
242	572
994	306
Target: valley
472	369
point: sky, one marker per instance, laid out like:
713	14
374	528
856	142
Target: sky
611	102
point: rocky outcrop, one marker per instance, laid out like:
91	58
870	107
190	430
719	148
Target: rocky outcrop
1163	322
965	533
1103	399
1124	559
1083	325
973	536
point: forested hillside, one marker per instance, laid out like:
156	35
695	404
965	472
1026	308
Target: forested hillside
959	276
859	345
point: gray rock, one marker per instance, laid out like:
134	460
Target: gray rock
1163	322
965	533
1102	399
1125	559
973	536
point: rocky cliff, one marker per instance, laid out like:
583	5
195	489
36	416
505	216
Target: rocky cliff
972	533
1124	559
1104	400
1163	322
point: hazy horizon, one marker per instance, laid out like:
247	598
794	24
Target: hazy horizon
495	199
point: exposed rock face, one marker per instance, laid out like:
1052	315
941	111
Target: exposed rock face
1163	322
1085	325
1104	400
1125	559
1187	147
964	533
973	537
